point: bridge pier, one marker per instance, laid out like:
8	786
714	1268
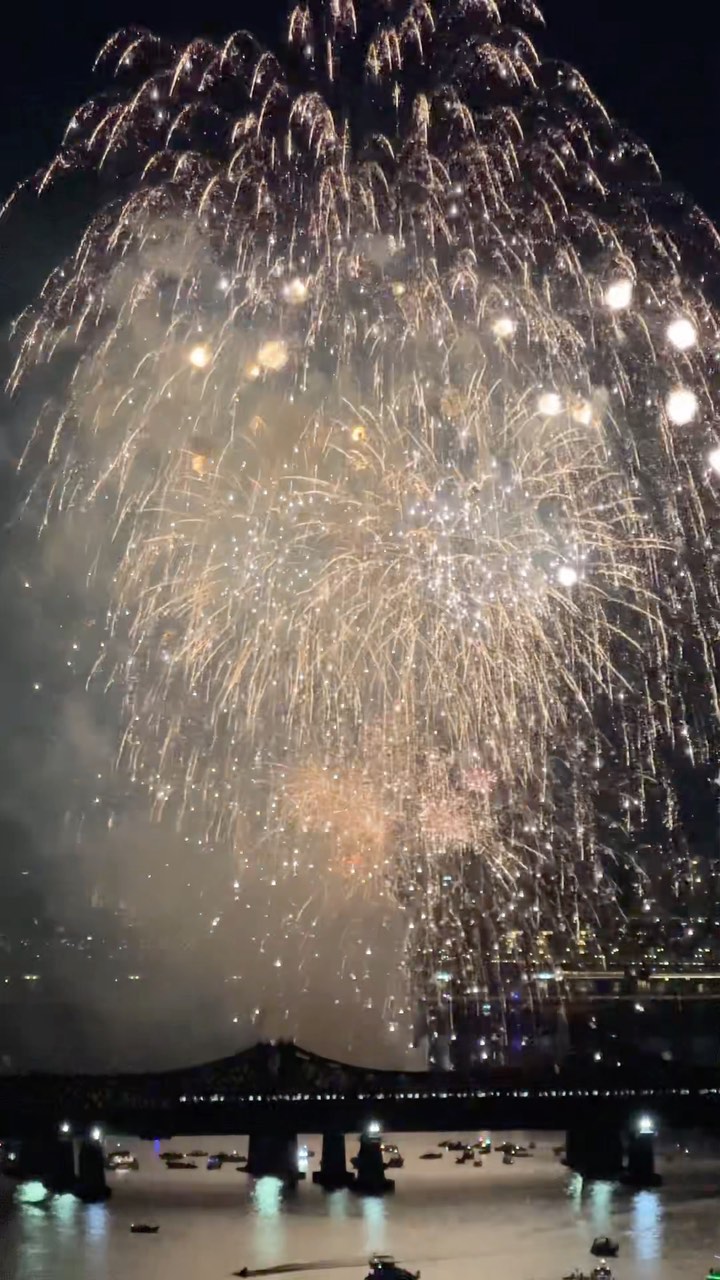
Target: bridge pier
273	1156
91	1185
333	1172
370	1179
640	1171
595	1151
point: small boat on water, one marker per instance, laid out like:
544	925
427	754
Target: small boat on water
604	1247
180	1164
431	1155
144	1229
122	1160
602	1272
384	1267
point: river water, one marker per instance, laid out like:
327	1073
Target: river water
529	1221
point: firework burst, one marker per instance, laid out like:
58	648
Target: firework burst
397	399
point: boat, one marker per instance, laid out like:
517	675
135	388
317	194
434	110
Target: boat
197	1155
121	1160
604	1247
214	1162
508	1159
431	1155
144	1229
576	1274
384	1267
602	1272
180	1164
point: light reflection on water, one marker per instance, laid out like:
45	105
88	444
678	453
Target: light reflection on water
373	1211
647	1225
532	1220
267	1203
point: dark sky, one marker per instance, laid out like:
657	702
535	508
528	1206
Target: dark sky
656	66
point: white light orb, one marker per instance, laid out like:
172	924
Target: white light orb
714	460
682	334
567	576
273	355
682	406
619	293
504	327
200	356
295	291
549	404
96	1134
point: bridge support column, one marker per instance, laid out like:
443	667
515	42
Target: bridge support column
370	1179
91	1185
273	1156
594	1151
333	1172
640	1171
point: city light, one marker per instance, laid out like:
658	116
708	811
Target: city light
65	1127
96	1134
645	1125
372	1128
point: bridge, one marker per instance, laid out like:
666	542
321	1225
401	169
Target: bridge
272	1092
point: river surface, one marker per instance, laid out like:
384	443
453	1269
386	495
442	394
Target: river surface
529	1221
